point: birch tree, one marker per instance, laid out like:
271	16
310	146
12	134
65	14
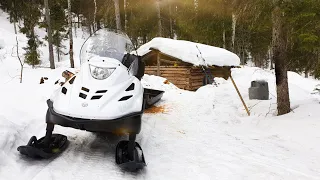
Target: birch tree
117	14
159	18
51	57
70	34
125	15
95	15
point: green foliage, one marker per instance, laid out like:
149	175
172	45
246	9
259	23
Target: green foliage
31	15
203	21
59	22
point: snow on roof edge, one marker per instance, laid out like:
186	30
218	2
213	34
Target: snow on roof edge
189	52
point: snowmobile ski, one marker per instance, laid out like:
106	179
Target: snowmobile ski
133	161
37	149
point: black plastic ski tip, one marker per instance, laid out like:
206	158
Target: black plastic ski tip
123	160
36	149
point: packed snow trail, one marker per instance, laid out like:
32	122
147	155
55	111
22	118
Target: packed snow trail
201	135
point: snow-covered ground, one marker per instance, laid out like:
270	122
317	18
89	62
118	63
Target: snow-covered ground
201	135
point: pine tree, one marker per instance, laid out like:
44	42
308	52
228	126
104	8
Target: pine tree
48	25
31	15
70	34
58	24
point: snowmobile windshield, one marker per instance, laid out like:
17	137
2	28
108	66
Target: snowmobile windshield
106	43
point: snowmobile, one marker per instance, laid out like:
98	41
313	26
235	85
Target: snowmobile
105	96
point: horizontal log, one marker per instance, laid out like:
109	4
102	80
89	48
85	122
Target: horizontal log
214	74
196	79
189	67
194	88
171	75
171	68
196	84
175	75
168	72
178	82
170	62
215	71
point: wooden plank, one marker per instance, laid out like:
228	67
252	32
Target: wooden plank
158	64
168	71
165	73
244	104
169	67
196	83
196	79
194	88
178	80
169	75
175	81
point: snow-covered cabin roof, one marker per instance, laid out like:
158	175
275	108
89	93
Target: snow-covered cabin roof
188	52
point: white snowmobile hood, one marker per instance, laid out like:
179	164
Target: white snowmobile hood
88	98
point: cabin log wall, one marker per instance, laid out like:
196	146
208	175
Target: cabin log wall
185	77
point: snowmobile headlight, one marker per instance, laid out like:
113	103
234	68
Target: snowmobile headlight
100	73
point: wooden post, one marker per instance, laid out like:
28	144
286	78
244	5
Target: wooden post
235	86
158	64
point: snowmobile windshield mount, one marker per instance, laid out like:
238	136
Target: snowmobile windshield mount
106	43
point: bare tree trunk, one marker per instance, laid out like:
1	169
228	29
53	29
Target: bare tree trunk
117	14
95	15
20	61
306	73
223	24
58	53
170	20
125	15
51	57
224	36
75	30
280	57
271	58
90	29
196	6
70	34
159	18
234	24
98	24
79	21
